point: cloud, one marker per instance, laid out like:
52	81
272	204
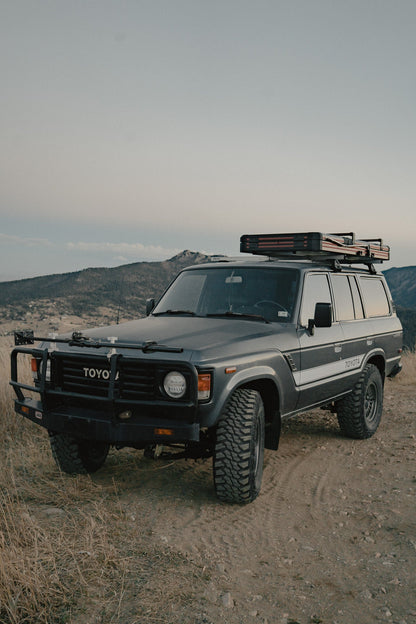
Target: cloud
20	240
124	250
118	251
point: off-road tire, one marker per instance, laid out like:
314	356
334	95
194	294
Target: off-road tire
76	456
239	448
359	413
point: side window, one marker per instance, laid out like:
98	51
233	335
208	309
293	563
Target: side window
315	290
375	297
343	298
358	304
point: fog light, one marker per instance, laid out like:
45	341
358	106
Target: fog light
125	415
174	385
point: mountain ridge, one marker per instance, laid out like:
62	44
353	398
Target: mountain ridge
95	278
402	284
125	287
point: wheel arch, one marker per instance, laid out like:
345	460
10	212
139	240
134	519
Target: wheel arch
271	401
379	361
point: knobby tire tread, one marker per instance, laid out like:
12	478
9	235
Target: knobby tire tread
234	478
350	410
65	452
75	456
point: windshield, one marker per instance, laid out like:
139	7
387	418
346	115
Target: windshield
263	293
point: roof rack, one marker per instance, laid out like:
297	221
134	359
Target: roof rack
344	248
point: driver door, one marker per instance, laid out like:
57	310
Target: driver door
320	352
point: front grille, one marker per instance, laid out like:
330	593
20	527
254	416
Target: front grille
136	380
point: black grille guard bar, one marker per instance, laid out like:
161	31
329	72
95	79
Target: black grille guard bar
114	359
26	337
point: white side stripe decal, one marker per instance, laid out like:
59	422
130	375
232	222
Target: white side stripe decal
328	370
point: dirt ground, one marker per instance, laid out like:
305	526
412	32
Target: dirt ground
331	539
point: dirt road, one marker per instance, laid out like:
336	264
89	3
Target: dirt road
330	539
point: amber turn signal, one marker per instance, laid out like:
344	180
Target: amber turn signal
204	386
164	432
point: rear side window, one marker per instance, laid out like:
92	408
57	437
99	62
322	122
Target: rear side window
375	297
343	298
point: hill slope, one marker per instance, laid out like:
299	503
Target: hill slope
402	284
81	292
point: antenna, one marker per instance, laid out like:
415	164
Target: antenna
119	300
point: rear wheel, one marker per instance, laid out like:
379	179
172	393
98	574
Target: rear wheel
359	414
76	456
239	448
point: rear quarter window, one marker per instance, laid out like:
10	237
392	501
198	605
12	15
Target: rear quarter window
376	302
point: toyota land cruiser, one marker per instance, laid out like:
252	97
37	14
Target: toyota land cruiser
230	350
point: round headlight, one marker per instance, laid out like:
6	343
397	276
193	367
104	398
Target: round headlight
174	385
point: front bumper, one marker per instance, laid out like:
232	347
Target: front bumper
90	424
93	409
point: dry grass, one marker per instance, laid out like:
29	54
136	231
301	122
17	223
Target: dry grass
68	552
408	375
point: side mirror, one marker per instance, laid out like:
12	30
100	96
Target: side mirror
150	304
323	315
322	318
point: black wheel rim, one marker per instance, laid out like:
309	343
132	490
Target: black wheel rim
371	404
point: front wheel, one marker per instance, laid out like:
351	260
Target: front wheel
359	414
239	448
76	456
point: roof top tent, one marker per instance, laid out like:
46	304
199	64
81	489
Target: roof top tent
343	247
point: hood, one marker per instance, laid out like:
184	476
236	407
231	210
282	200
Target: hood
201	338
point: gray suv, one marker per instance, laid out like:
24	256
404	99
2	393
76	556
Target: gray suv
231	349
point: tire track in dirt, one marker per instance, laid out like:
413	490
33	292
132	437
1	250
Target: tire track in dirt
301	494
296	489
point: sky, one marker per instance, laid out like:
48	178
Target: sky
133	129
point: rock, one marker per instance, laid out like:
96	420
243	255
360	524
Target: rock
366	594
227	601
211	593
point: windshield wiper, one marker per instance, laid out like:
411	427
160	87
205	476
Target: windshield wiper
254	317
189	312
